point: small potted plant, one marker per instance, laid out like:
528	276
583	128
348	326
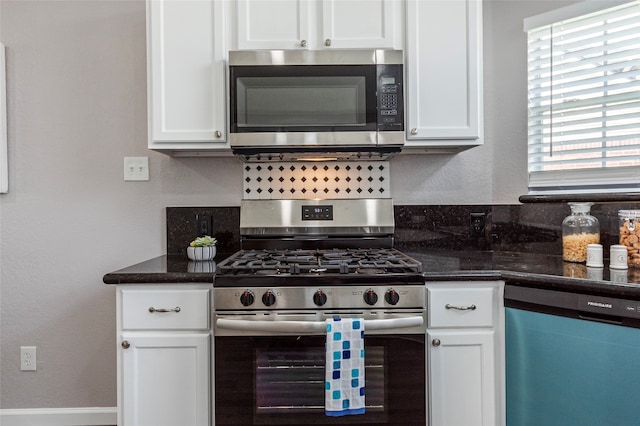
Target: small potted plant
202	248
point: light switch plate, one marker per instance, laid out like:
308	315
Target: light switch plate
136	168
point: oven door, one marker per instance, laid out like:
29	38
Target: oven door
276	376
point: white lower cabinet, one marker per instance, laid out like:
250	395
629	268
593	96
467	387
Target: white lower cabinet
165	380
465	354
164	355
462	376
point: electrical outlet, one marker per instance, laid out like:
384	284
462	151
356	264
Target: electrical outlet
204	222
27	358
136	168
476	225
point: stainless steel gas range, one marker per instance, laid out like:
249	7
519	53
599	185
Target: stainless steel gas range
305	262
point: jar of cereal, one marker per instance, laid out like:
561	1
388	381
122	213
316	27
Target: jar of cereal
630	235
579	229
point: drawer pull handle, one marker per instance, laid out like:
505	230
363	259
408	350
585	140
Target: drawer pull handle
435	342
461	308
125	344
152	309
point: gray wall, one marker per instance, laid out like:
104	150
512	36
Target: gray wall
76	83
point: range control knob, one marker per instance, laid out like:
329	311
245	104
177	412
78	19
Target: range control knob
319	298
392	297
370	297
247	298
268	298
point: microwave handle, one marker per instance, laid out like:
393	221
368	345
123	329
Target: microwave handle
314	326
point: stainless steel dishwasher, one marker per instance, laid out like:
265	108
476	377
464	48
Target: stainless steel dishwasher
571	359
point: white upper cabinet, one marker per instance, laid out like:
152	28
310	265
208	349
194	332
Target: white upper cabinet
279	24
186	75
317	24
188	41
443	73
358	24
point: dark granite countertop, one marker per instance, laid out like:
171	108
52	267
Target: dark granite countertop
164	270
528	269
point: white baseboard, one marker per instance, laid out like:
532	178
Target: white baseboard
89	416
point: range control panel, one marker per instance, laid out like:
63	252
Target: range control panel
341	297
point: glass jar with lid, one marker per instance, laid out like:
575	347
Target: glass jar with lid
629	221
579	229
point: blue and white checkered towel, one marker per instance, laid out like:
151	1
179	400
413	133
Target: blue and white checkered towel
344	385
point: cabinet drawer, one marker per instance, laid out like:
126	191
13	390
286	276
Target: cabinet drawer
185	309
461	307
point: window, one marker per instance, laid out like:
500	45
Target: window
584	98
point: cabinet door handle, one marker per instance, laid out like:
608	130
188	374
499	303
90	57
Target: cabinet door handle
217	134
303	43
327	42
435	342
176	309
414	131
461	308
125	344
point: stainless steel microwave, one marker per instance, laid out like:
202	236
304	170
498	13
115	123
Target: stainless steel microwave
290	104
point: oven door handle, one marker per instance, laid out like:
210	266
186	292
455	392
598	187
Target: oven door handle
314	326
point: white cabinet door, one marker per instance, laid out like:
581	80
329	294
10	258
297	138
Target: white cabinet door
461	367
186	74
358	24
272	24
443	73
317	24
165	379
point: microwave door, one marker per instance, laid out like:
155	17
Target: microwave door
319	104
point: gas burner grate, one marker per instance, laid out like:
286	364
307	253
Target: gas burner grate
318	262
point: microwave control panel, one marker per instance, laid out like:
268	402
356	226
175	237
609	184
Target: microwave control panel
390	98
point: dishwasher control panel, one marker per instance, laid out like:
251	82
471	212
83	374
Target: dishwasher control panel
576	305
609	306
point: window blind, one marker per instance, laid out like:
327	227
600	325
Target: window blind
584	102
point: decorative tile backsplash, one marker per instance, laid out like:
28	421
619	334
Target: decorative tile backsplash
335	179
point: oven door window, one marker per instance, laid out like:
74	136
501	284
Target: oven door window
303	98
289	381
280	381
